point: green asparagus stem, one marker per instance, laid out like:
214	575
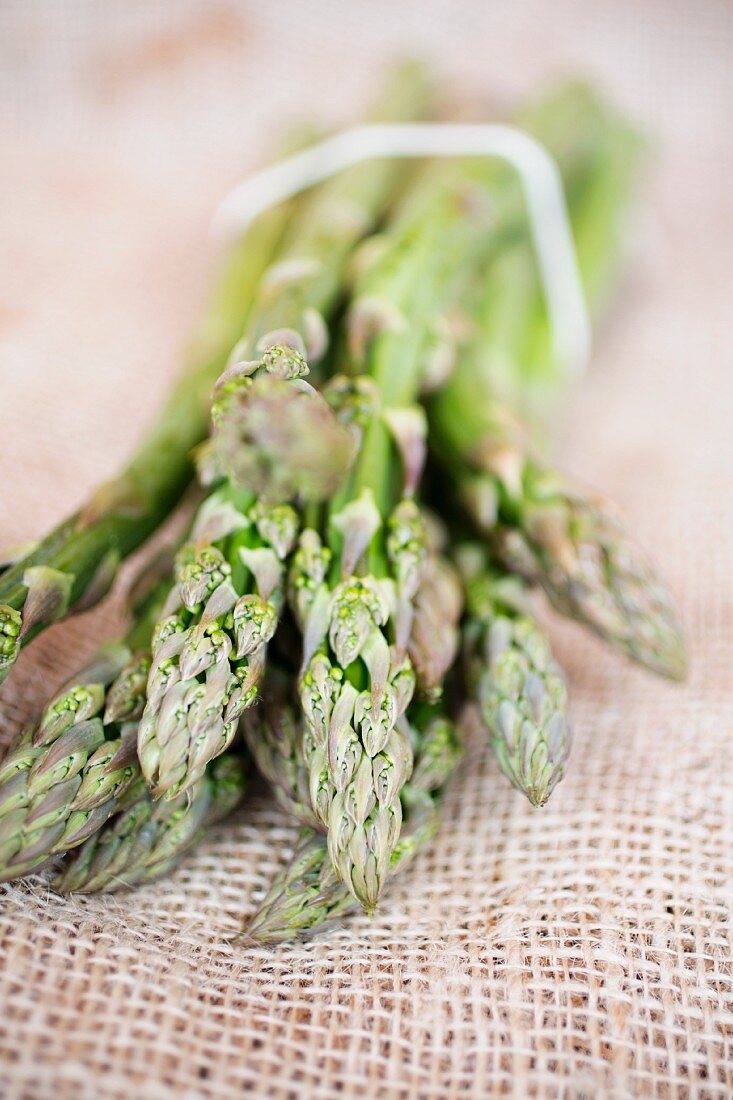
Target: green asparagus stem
550	532
307	895
74	565
539	524
590	569
304	897
273	732
210	650
209	647
520	688
145	839
434	638
65	775
599	156
353	583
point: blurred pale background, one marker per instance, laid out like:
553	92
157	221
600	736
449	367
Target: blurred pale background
583	951
124	123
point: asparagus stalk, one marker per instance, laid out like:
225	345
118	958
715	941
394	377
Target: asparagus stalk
598	155
434	637
74	565
210	649
145	840
354	582
65	775
575	548
273	732
547	530
307	895
540	524
304	897
520	688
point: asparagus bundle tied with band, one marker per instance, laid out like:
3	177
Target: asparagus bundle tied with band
378	378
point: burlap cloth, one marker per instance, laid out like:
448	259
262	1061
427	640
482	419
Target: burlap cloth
579	951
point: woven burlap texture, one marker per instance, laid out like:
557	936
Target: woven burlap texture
579	951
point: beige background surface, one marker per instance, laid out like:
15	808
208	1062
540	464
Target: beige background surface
580	951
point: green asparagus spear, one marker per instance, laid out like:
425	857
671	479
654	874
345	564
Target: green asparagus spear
75	564
520	688
354	582
307	895
598	156
574	547
434	637
539	524
553	534
273	732
145	839
209	651
65	775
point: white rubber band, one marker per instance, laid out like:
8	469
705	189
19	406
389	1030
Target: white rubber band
539	176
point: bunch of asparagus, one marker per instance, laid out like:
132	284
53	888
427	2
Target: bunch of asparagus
375	527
